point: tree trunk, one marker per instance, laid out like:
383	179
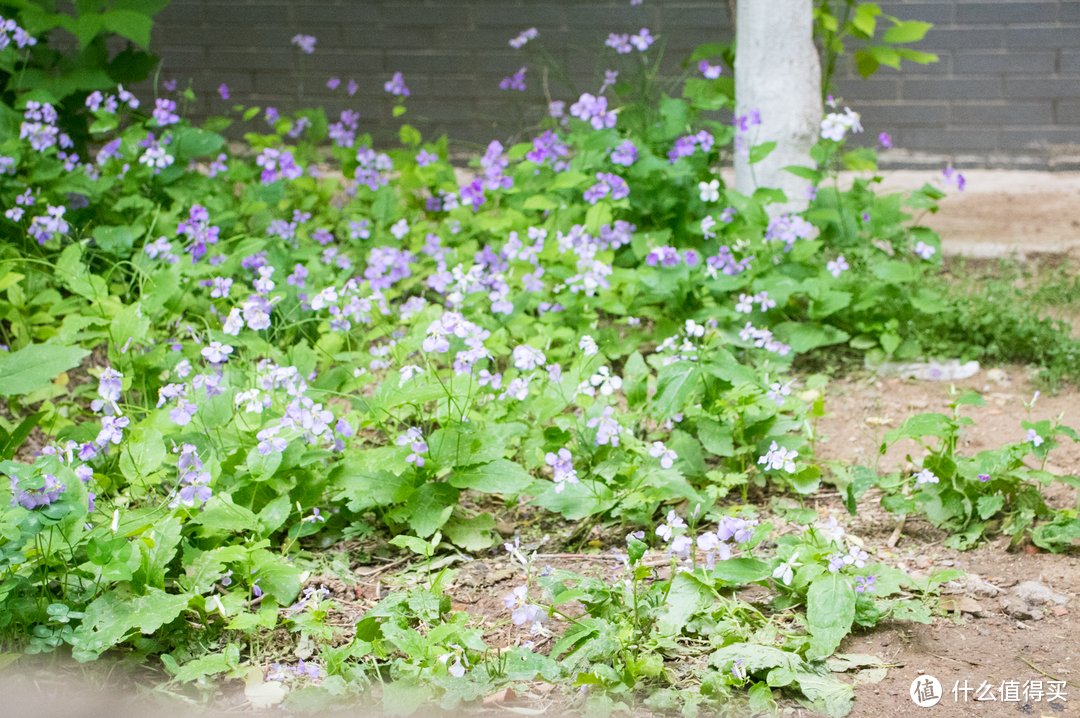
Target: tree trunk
778	74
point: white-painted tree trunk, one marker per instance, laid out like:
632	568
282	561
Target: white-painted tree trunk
777	73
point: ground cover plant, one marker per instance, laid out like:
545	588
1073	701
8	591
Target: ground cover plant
220	365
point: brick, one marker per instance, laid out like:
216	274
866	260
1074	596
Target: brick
950	140
1004	62
951	89
1042	88
962	38
1019	37
1036	138
1070	11
1003	113
939	13
1007	13
896	114
872	89
1068	112
251	59
1070	61
410	14
409	63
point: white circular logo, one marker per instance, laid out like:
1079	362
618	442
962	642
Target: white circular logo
925	691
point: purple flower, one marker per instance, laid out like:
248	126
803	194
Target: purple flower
620	43
924	250
711	72
664	256
984	477
885	140
954	177
272	115
396	86
223	90
305	42
31	499
333	83
425	158
169	85
164	112
521	610
594	111
548	146
926	476
610	76
353	87
473	194
523	37
607	183
1034	438
642	40
838	265
218	166
515	81
625	154
864	584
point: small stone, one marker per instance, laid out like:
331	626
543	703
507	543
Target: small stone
1037	594
923	562
1059	611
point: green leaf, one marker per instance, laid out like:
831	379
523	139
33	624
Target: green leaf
135	26
429	507
117	241
277	578
830	610
35	366
193	142
865	18
497	477
907	31
894	272
805	336
475	534
687	595
143	453
807	173
989	505
674	384
154	610
760	152
716	439
263	467
736	571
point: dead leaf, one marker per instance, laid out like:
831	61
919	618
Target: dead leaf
965	604
1059	611
506	695
263	694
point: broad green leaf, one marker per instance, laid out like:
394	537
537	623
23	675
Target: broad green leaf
497	477
475	534
430	506
674	384
830	610
738	571
760	152
907	31
894	272
35	366
135	26
687	595
143	453
117	241
716	439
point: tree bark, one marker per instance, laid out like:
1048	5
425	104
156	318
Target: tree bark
778	74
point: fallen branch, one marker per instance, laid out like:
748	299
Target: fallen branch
1021	658
891	543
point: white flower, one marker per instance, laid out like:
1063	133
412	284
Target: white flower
400	228
778	391
666	529
706	227
409	371
926	476
667	456
710	191
527	358
785	572
588	345
603	379
745	305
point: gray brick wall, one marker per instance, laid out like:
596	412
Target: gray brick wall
1005	91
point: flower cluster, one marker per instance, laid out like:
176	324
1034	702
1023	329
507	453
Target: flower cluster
594	111
372	168
836	125
278	165
199	232
21	37
195	482
788	228
396	86
763	339
515	81
34	498
777	458
686	146
607	183
523	37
